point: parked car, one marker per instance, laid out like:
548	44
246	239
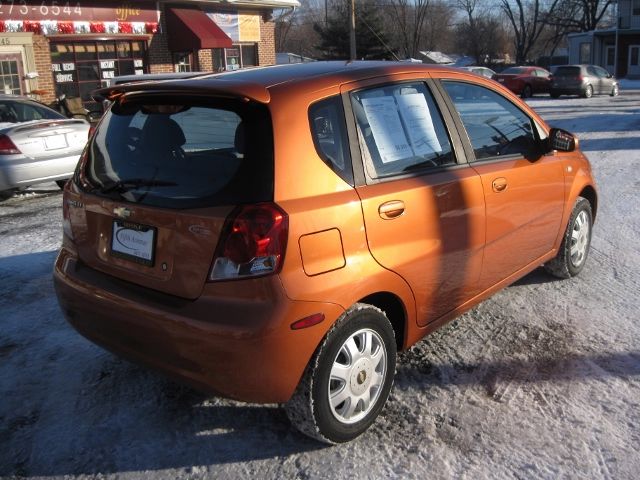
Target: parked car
268	252
484	71
525	81
583	80
37	144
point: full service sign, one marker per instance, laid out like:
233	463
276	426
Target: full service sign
87	10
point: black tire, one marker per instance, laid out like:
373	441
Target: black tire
588	92
614	91
310	409
61	183
554	95
526	91
566	265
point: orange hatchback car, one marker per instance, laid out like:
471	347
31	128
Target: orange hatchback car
278	234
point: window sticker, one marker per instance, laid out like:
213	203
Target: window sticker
390	138
417	118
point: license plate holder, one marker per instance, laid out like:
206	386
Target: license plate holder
54	142
134	242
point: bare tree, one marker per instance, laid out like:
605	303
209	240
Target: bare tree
481	34
579	15
409	16
528	21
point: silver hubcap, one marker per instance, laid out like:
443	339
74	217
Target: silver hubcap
357	376
579	239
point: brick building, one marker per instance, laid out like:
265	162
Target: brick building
51	47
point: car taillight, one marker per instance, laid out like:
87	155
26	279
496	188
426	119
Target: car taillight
7	147
66	218
252	243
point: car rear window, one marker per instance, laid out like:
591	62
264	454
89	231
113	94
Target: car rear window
182	152
567	72
514	71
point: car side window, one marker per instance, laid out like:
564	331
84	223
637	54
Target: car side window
601	72
400	130
329	133
494	125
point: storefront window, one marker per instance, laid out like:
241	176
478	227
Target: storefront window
585	53
234	58
79	68
183	62
249	57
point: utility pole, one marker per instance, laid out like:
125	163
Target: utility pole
352	30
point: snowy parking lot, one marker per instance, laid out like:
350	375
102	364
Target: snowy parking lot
541	381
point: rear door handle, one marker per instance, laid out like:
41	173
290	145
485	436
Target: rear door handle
392	209
499	184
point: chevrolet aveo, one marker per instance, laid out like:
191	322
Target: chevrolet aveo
277	235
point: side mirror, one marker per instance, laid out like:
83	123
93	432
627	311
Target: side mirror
562	140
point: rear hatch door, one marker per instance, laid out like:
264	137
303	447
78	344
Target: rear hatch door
160	176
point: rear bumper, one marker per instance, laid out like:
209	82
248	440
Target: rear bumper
20	171
569	90
238	347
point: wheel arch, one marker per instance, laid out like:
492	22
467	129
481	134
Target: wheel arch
394	309
590	194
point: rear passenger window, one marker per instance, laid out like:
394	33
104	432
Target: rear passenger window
400	130
330	138
495	126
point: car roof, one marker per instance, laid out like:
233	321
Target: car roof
255	83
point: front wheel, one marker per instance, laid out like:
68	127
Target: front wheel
554	95
614	91
575	244
348	380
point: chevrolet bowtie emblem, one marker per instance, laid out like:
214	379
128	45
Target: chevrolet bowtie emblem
122	212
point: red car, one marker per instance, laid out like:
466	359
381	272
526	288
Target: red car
525	81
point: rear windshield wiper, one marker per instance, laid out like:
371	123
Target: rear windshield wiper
122	186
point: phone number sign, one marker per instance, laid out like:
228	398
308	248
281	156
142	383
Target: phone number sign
86	10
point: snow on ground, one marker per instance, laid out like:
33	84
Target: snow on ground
541	381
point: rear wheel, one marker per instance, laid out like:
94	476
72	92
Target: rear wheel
588	92
348	380
614	91
526	91
554	95
575	244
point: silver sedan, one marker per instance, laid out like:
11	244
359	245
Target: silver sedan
37	144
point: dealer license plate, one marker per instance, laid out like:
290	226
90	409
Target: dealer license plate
55	141
134	242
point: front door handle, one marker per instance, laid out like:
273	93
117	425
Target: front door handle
392	209
499	184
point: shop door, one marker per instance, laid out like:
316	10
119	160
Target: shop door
633	67
11	74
